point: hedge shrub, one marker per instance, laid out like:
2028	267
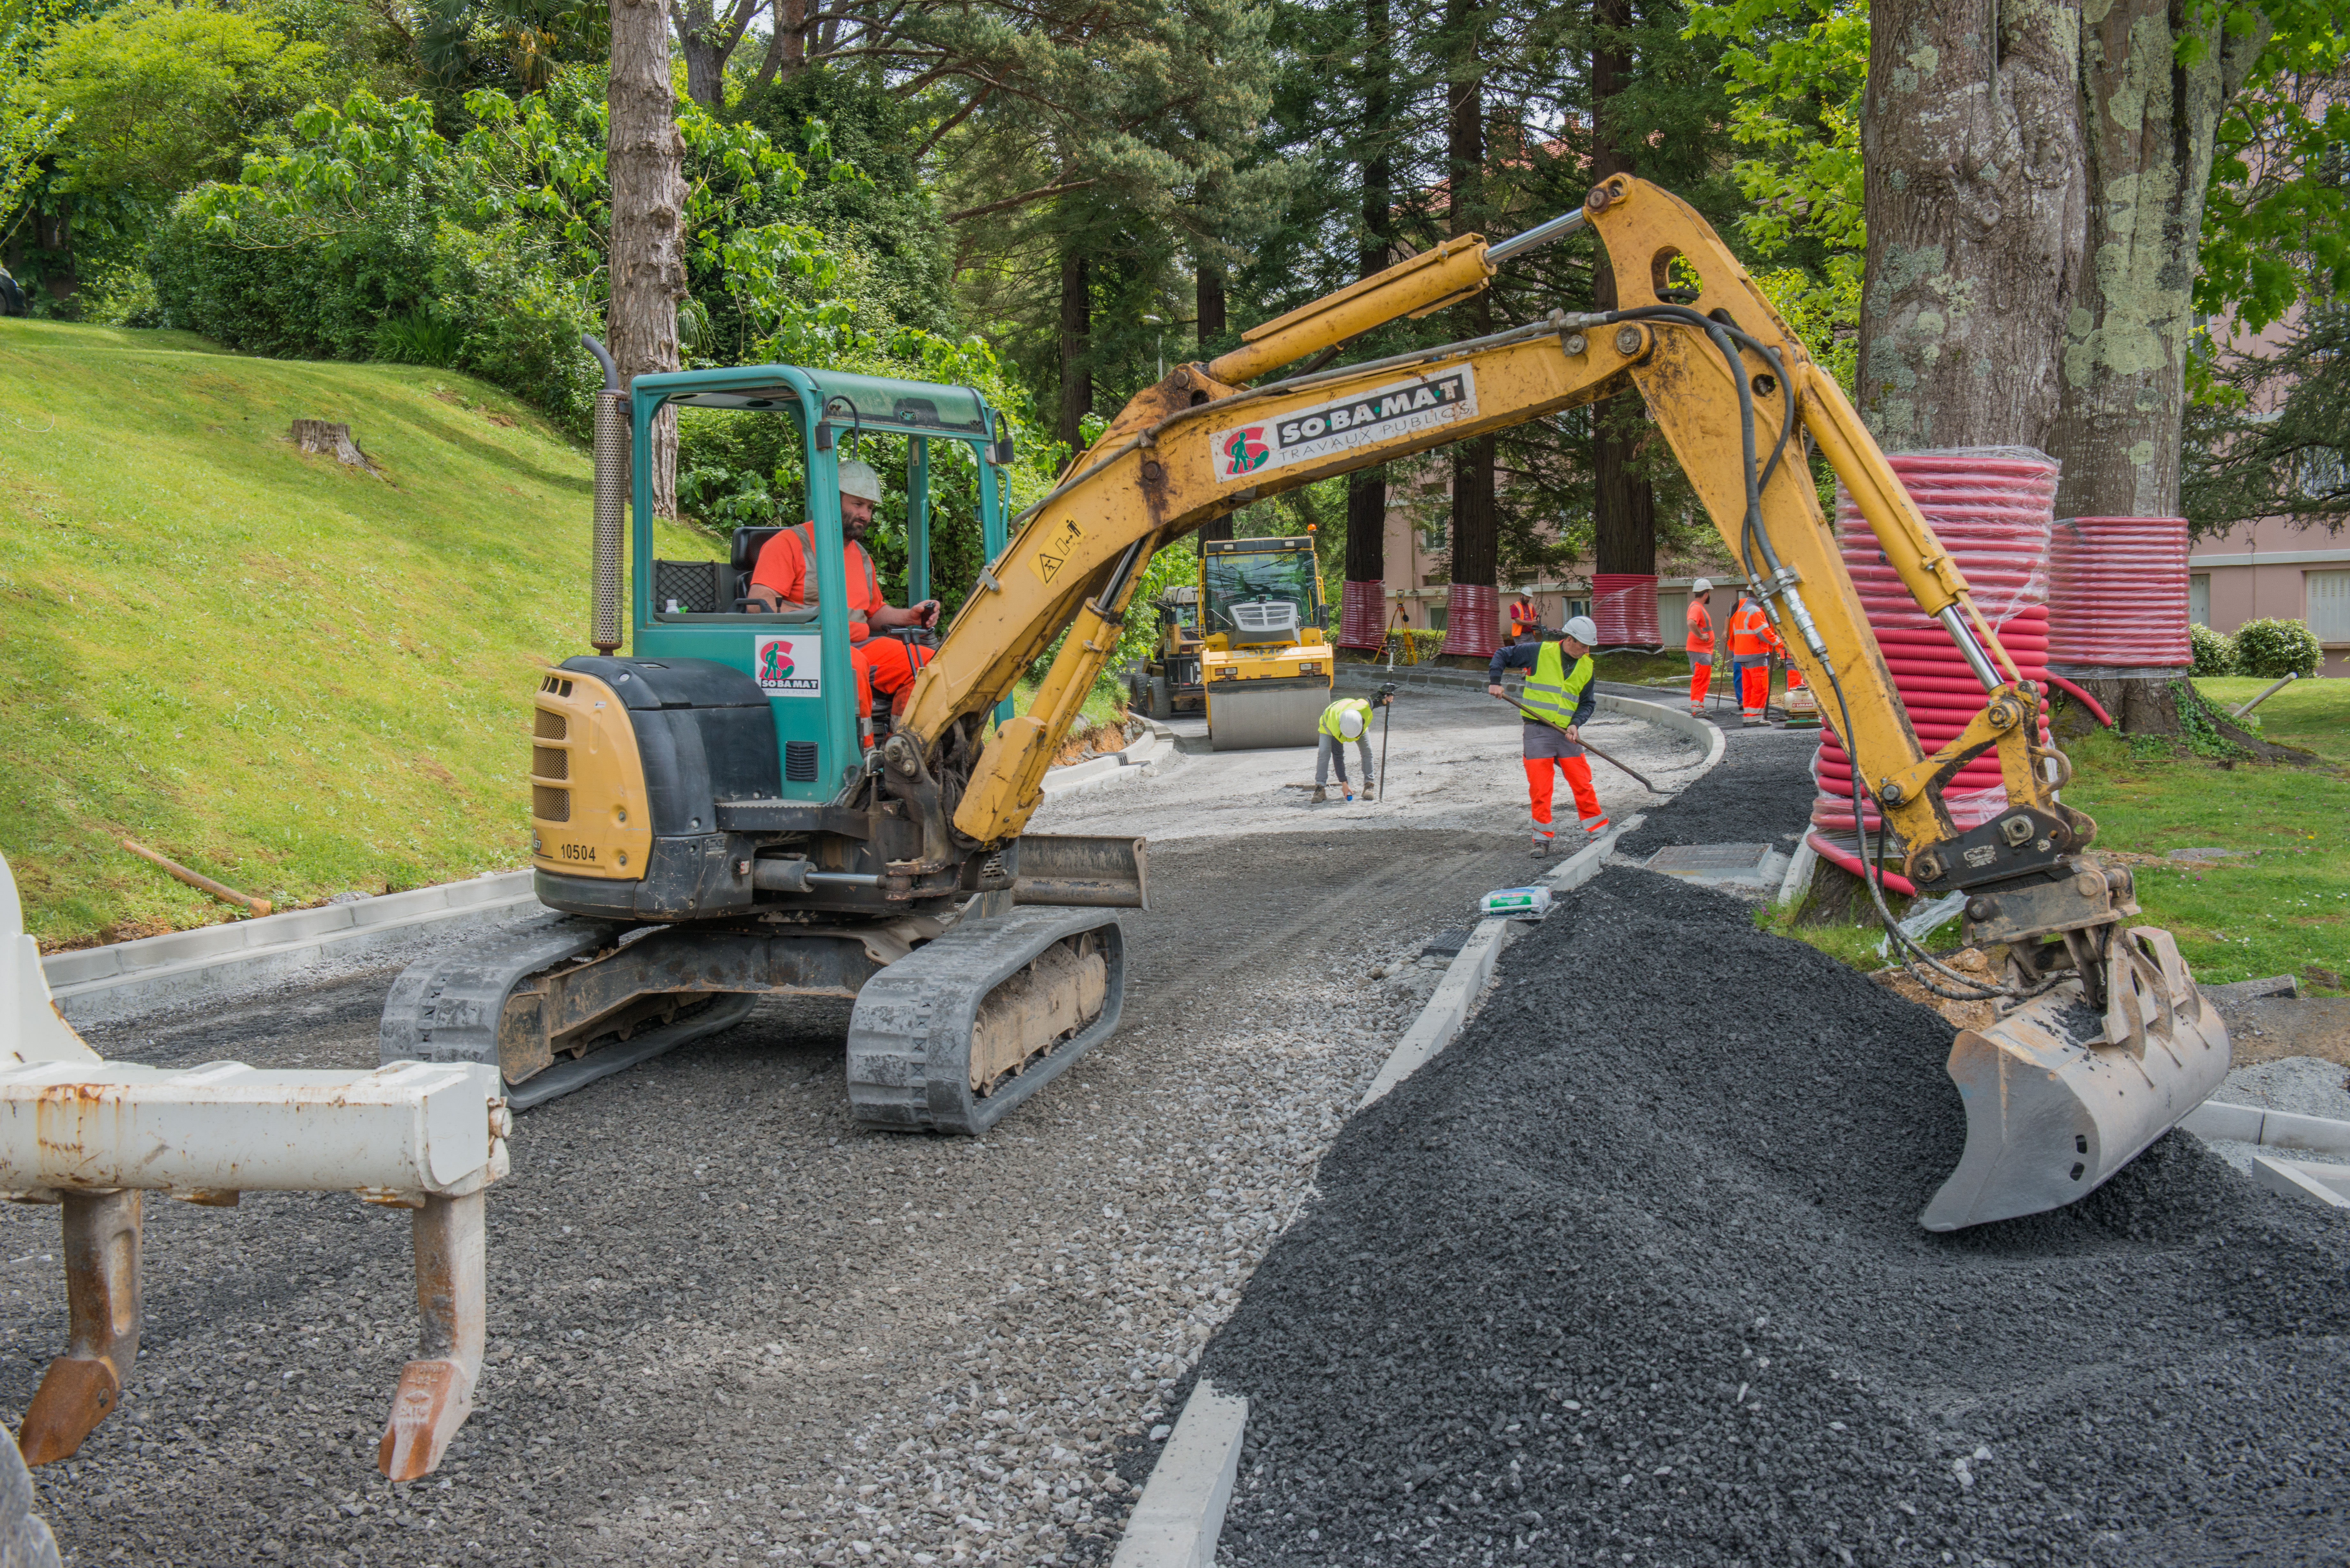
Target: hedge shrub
2272	650
2215	653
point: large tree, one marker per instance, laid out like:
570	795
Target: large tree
1624	504
645	155
1463	47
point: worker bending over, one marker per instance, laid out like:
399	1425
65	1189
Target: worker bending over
1562	695
1348	719
784	579
1751	643
1699	644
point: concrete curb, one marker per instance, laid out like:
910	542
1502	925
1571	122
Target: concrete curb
2270	1130
1180	1513
2327	1186
1144	753
92	985
1799	872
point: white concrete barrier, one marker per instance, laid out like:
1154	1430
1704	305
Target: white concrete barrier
1180	1513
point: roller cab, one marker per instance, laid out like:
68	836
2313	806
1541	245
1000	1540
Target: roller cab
1266	660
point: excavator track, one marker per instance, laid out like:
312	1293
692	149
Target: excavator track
1032	991
449	1008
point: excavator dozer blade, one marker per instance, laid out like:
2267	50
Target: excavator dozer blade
2059	1098
1277	714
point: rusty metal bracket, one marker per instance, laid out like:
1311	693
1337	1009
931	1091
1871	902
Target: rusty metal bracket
82	1386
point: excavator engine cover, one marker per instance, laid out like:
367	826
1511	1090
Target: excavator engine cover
2058	1096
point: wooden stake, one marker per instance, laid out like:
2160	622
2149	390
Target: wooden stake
226	895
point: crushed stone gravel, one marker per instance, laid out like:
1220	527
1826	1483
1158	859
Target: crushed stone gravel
1760	792
726	1325
1632	1274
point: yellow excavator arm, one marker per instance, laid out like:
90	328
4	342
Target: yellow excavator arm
2108	1044
1200	444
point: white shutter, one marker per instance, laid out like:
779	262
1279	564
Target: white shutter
2198	598
2329	605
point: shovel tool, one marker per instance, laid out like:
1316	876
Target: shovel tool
1587	746
2060	1094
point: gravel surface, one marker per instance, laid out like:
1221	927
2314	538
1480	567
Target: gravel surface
2303	1085
725	1325
1452	759
1632	1274
1760	792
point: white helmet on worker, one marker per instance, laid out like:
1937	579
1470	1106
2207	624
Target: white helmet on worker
860	479
1581	628
1350	723
1702	585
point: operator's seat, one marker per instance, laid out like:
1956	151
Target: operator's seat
743	559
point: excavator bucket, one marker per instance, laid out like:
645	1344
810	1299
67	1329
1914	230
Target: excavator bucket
2059	1098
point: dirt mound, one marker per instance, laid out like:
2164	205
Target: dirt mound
1632	1273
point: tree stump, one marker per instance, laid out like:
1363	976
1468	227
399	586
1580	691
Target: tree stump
324	440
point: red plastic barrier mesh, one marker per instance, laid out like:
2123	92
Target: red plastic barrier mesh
2117	593
1624	605
1362	614
1472	614
1992	508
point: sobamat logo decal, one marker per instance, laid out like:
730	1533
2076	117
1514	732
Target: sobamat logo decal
1384	414
1245	451
788	666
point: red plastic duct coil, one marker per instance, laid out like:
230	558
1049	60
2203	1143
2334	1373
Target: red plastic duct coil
1992	508
1624	606
2117	594
1362	614
1473	615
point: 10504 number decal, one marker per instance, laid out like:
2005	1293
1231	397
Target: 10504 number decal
576	851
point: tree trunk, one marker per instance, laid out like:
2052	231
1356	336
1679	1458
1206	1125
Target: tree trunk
1208	294
1077	323
786	44
1366	488
1976	203
645	156
2149	132
700	39
1475	545
1623	503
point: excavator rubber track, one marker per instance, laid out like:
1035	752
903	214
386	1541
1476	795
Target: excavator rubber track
448	1008
912	1036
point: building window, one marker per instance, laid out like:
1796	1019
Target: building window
2329	605
1436	614
2198	598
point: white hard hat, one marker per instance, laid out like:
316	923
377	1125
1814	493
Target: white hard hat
1350	723
860	479
1702	585
1581	628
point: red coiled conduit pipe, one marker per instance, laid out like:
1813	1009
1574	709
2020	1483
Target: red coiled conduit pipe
1992	508
2118	595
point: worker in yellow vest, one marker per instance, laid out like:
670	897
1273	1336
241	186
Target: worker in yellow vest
1348	719
1558	690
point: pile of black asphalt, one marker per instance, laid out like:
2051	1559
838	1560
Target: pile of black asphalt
1632	1274
1760	792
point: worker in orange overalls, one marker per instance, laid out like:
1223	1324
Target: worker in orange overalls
1699	644
1523	618
1557	703
782	580
1752	642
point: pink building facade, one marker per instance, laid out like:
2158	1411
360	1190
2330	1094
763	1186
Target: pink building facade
2269	570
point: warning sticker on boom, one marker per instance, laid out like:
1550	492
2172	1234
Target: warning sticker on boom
1386	414
1053	553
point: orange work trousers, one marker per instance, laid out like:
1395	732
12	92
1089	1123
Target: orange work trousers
1578	779
887	665
1700	675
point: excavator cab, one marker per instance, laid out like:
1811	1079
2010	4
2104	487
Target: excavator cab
1266	663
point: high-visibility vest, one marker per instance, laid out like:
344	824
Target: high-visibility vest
1701	628
1750	631
1338	710
803	538
1555	692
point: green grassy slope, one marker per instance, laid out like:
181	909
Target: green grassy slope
293	676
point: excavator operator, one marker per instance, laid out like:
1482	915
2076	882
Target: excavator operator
782	580
1562	695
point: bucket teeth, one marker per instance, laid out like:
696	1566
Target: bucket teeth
82	1386
2059	1098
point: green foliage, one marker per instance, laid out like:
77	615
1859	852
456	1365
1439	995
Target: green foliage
2269	434
164	93
30	122
2272	650
419	340
2214	652
1171	568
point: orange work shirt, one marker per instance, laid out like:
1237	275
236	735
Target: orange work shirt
1750	631
1701	628
783	566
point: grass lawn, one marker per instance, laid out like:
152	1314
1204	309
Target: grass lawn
2280	906
295	677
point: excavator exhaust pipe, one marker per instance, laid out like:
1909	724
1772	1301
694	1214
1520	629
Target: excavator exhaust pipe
2059	1098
